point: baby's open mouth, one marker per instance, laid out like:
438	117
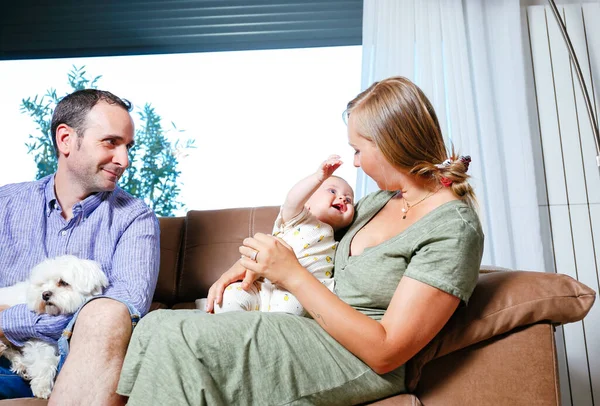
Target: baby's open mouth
339	207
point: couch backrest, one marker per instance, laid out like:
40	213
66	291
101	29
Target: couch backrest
171	235
211	239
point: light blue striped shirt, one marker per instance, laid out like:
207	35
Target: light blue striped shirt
113	228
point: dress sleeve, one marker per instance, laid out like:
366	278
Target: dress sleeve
448	258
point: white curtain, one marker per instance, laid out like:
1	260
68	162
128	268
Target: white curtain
467	56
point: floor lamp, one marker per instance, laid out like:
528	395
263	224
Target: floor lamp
593	121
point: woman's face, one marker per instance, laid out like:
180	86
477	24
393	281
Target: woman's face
368	157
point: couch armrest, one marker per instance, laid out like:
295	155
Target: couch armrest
501	302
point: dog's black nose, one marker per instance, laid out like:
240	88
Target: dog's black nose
46	295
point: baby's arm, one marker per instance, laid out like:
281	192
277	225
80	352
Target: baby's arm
303	190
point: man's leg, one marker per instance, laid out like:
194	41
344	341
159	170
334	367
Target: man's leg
12	386
97	349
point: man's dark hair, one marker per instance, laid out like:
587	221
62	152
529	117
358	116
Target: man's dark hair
73	109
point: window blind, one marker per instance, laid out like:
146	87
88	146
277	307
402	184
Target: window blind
43	29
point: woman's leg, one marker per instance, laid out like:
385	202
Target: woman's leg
244	358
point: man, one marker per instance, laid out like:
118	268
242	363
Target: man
80	211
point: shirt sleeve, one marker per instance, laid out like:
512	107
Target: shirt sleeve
19	324
281	227
136	263
448	258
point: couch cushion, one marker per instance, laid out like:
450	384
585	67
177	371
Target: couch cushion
501	302
171	233
157	306
212	240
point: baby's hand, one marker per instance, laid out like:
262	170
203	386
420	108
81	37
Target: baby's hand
328	167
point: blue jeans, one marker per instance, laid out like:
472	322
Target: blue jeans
12	385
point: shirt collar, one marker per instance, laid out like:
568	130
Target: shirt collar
86	206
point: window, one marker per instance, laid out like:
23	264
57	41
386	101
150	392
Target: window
262	120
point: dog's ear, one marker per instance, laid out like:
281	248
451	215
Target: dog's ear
86	276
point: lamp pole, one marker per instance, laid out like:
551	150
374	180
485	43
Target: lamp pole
588	104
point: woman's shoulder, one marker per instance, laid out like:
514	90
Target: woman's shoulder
452	218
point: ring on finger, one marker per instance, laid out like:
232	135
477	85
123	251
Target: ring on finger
254	255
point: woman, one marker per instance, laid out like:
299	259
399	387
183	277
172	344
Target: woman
411	255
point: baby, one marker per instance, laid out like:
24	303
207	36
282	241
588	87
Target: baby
313	210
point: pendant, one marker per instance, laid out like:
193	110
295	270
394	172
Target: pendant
404	217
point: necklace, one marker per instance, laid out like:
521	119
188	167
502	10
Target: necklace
408	206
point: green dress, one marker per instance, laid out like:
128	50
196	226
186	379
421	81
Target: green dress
187	357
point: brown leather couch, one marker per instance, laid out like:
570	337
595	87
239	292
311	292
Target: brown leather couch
498	350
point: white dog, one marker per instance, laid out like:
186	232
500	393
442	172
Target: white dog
55	286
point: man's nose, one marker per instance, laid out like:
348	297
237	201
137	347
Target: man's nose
121	156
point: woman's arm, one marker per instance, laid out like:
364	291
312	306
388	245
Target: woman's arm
417	311
415	315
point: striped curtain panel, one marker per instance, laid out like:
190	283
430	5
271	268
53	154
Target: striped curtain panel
468	58
570	195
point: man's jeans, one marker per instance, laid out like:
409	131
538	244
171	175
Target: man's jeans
12	385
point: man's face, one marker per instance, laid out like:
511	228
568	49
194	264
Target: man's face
97	160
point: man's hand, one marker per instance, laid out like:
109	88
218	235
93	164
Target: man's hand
328	167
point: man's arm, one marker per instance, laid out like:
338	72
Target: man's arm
19	324
303	190
136	263
2	308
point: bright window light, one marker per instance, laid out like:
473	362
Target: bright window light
262	120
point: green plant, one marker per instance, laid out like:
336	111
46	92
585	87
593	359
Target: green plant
152	174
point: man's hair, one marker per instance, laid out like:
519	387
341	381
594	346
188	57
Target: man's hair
73	109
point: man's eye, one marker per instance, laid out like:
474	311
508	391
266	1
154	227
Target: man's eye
62	283
111	142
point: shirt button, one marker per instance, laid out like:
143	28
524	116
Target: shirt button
63	233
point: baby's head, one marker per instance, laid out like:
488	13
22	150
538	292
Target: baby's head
333	203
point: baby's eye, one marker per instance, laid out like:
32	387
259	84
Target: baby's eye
332	191
348	200
62	283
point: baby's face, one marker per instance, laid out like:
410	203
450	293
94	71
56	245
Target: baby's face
333	203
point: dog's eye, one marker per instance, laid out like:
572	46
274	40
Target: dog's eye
62	283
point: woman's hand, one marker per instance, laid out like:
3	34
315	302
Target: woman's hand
236	273
272	258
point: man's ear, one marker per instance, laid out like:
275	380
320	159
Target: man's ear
65	139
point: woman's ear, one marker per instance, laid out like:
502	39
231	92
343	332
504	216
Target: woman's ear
65	139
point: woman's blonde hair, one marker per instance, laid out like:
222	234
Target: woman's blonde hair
397	116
